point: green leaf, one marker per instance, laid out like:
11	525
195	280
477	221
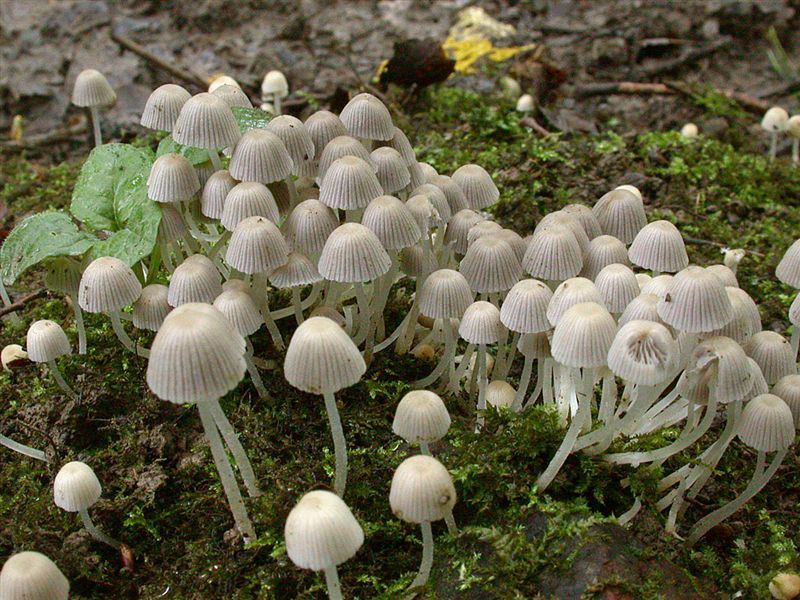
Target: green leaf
38	237
251	118
196	156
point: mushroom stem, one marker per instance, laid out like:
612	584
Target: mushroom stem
500	370
452	528
628	515
339	444
297	305
395	334
427	559
795	150
95	532
448	356
225	472
309	300
219	244
95	117
166	256
424	449
116	325
236	448
508	358
260	284
524	382
255	376
364	314
276	104
547	382
56	373
13	317
407	335
22	448
214	156
481	386
466	358
537	390
332	581
79	325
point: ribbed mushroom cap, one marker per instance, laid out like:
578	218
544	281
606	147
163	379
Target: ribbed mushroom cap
583	336
421	416
414	260
788	389
217	81
204	171
641	308
445	295
423	212
163	107
524	309
428	170
477	186
107	284
773	353
456	199
534	345
788	269
46	341
321	532
500	394
295	137
481	229
481	323
239	308
658	286
172	179
617	286
248	199
215	191
746	319
339	147
515	240
760	385
724	274
643	279
275	84
400	142
205	121
392	222
570	292
256	246
63	275
152	307
76	487
695	302
366	117
458	229
586	218
727	365
659	247
437	199
417	177
196	356
196	279
171	227
92	89
297	271
490	265
353	254
643	352
321	358
308	226
32	576
775	119
767	424
560	218
553	254
422	490
260	156
393	174
238	285
349	183
621	214
232	95
632	189
603	250
323	126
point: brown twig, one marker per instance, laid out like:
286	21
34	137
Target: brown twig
44	139
20	304
181	73
687	56
701	242
531	123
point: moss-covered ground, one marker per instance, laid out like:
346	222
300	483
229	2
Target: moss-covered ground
162	495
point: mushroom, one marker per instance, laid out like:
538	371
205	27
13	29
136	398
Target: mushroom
205	121
152	307
366	117
163	107
553	255
76	489
785	586
620	213
773	353
92	91
46	341
64	275
392	173
617	286
32	576
659	247
793	130
774	122
480	325
232	95
695	302
526	104
477	185
274	88
689	131
11	354
500	394
421	418
260	156
349	184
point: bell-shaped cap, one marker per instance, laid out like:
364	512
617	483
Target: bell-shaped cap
788	389
400	142
561	218
534	345
256	246
309	225
644	353
575	290
63	275
760	385
421	416
727	365
196	279
240	309
481	323
788	269
275	84
217	81
321	532
415	260
92	90
392	222
515	240
617	286
366	117
439	201
481	229
171	227
392	173
298	271
296	139
76	487
248	199
603	250
215	191
586	218
107	284
260	156
232	95
456	199
428	170
658	286
422	490
172	179
205	121
524	309
775	119
349	183
583	336
423	212
695	302
321	358
46	341
445	295
458	229
724	274
152	307
746	319
339	147
500	394
621	214
477	186
641	308
767	424
553	254
659	247
490	265
163	107
416	175
31	575
353	254
196	356
773	353
322	127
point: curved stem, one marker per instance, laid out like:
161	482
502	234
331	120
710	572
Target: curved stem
219	244
509	357
463	366
56	373
364	314
407	335
297	306
444	363
427	558
255	377
773	145
629	514
395	334
22	448
79	325
537	390
452	528
307	302
95	532
123	337
547	386
481	386
500	370
332	582
524	382
236	448
260	289
339	444
166	256
98	134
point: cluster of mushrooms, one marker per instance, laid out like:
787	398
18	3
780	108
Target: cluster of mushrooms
776	121
598	310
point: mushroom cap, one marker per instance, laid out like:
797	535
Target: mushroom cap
617	286
63	275
275	84
690	130
321	358
695	302
458	227
239	308
657	285
788	269
248	199
456	199
775	119
400	142
172	179
215	191
92	90
760	385
298	271
726	364
586	218
392	174
603	250
349	183
76	487
659	247
445	295
196	279
366	117
644	353
205	121
725	274
641	308
481	323
481	229
560	218
217	81
309	225
525	103
339	147
422	490
256	246
788	389
524	309
415	260
439	201
46	341
163	107
232	95
553	254
171	227
321	532
392	222
583	336
423	212
107	284
569	293
632	189
477	186
152	307
773	353
767	424
421	416
11	354
323	126
196	356
746	319
261	156
515	240
620	213
295	137
31	575
490	265
500	394
534	345
353	253
793	126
